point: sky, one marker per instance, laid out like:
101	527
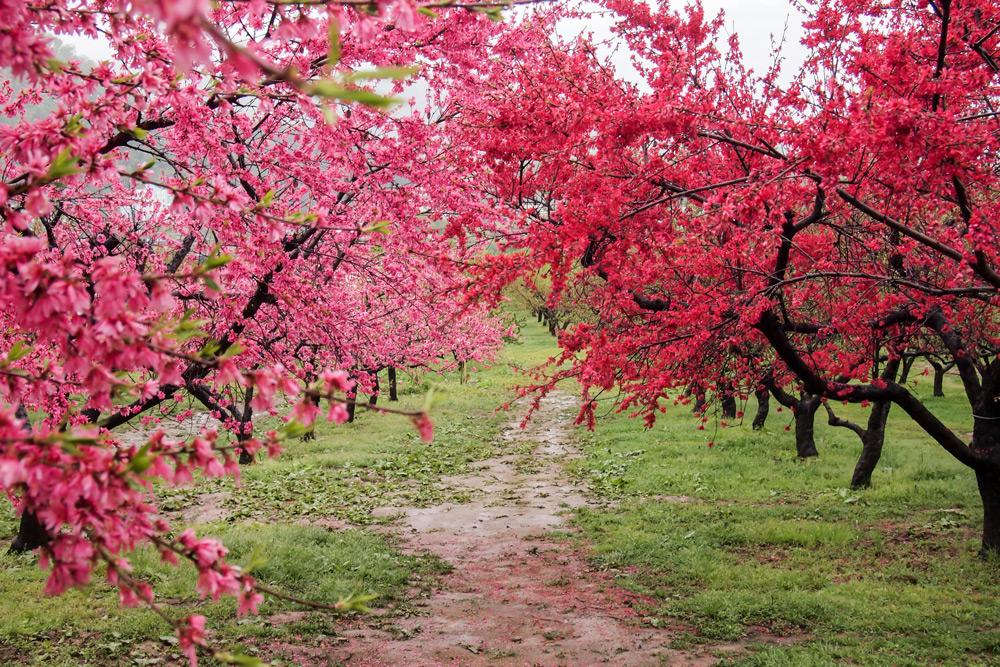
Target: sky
757	22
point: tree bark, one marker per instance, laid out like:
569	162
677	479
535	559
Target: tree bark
763	407
31	534
805	426
804	408
373	399
728	402
246	419
986	443
352	397
938	379
873	435
694	389
988	480
907	366
871	445
393	394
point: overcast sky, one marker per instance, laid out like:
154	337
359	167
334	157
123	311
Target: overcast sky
756	22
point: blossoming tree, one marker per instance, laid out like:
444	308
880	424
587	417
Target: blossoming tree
734	227
185	219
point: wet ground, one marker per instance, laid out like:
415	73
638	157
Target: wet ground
514	596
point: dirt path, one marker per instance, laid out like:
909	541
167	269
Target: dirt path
513	597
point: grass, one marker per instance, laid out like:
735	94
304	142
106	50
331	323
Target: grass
281	513
743	541
740	541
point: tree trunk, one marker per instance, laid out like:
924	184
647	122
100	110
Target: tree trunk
541	315
463	372
352	398
988	480
763	407
246	457
246	421
907	367
728	404
694	389
31	534
393	395
986	442
938	379
805	426
871	445
373	399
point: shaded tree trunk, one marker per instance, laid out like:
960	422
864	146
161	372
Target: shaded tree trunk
805	426
728	402
352	406
694	389
988	480
873	435
939	371
804	408
907	366
373	399
871	445
986	442
393	394
31	534
463	372
246	457
246	420
763	407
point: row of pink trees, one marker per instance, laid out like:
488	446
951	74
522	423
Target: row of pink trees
738	233
224	211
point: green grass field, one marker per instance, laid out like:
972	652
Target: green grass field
281	514
744	540
738	542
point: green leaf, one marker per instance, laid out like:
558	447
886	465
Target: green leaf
380	227
227	658
356	603
394	73
74	126
267	199
232	351
427	12
141	461
64	164
257	561
492	13
428	400
209	349
210	283
333	52
138	133
214	261
18	351
334	90
294	429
